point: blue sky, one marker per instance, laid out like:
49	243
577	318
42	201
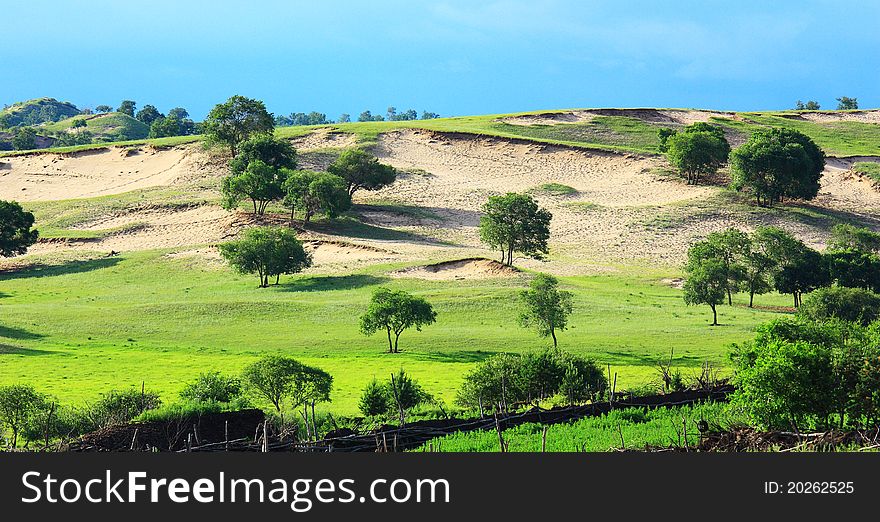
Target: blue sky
451	57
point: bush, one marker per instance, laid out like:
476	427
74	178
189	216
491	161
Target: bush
374	401
847	304
212	387
119	407
400	394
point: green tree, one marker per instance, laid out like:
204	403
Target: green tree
698	150
730	247
541	374
758	265
344	118
850	237
853	305
706	283
267	252
165	127
179	113
149	114
515	223
582	380
16	232
374	399
24	138
275	152
361	170
845	103
811	105
546	307
803	271
405	394
78	123
127	107
315	192
259	182
311	387
394	312
235	120
776	164
104	109
853	269
212	387
18	404
273	378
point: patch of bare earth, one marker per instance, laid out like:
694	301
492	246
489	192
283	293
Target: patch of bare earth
460	269
324	139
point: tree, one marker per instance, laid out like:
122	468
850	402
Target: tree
758	266
811	105
427	115
267	252
778	163
374	400
854	305
18	404
850	237
845	103
272	378
394	312
149	114
275	152
311	386
103	109
582	380
698	150
515	223
361	170
405	394
179	113
234	121
259	182
853	269
24	138
78	123
802	272
546	307
127	107
344	118
16	234
368	116
730	247
165	127
212	387
495	383
315	192
706	283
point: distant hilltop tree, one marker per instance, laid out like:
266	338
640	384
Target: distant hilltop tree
301	118
845	103
697	150
149	114
127	107
344	118
24	138
811	105
235	120
103	109
368	116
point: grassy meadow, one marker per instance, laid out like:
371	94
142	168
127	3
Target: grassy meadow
78	328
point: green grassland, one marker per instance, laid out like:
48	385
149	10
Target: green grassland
81	327
37	111
110	127
869	169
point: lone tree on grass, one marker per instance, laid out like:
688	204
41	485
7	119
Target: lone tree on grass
698	150
706	284
394	312
19	404
845	103
16	234
777	164
260	182
235	120
546	307
361	170
515	223
272	378
267	252
315	192
400	394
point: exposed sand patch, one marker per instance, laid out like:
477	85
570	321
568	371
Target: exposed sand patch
671	117
98	172
870	116
324	139
461	269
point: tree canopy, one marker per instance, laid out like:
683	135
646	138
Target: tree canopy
514	223
259	182
362	170
267	252
127	107
235	120
395	311
16	232
315	192
698	150
148	114
546	307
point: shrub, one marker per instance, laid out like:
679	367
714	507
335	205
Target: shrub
119	407
847	304
212	387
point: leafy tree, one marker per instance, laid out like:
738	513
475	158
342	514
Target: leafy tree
272	378
18	404
16	234
546	307
212	387
69	139
165	127
854	305
344	118
361	170
311	386
104	109
149	114
118	407
78	123
315	192
582	380
427	115
811	105
845	103
259	182
275	152
803	271
515	223
698	150
179	113
706	283
730	247
368	116
758	264
405	394
496	384
24	138
234	121
394	312
853	269
541	375
374	400
664	134
850	237
267	252
778	163
127	107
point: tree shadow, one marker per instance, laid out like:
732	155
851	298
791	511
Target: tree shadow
325	283
17	333
72	267
456	356
8	349
651	360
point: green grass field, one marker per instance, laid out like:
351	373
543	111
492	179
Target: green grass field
113	126
87	326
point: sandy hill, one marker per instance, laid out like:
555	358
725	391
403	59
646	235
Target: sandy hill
610	205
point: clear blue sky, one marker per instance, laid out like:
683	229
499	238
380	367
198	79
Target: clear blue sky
451	57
